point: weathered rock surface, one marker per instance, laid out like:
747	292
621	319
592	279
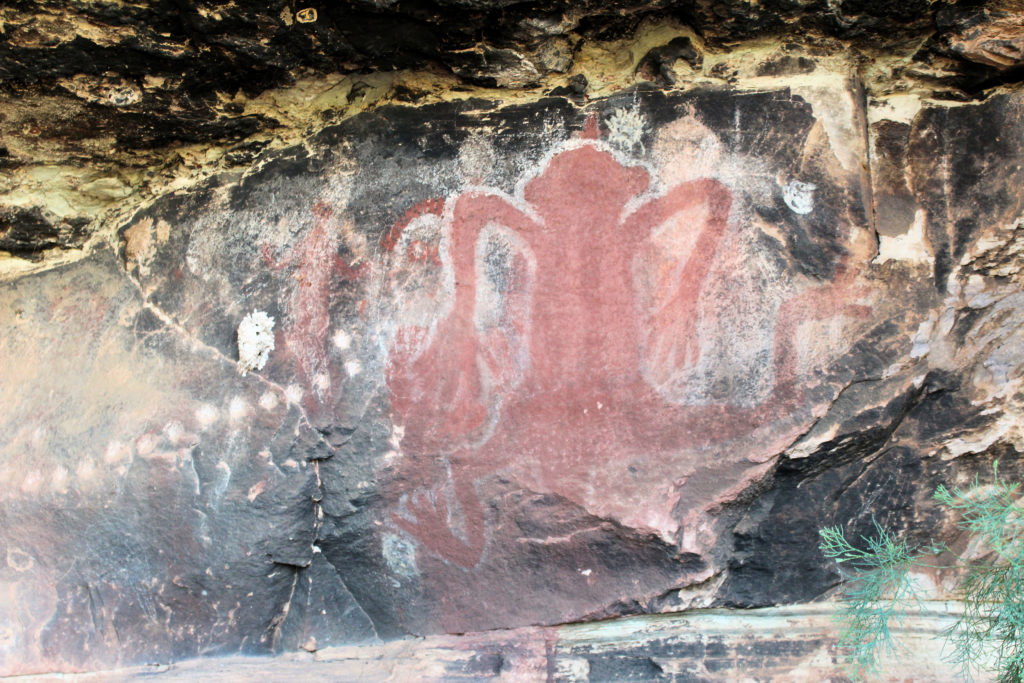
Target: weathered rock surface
993	36
119	56
606	316
533	364
792	644
107	106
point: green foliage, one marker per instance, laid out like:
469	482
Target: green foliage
992	591
878	588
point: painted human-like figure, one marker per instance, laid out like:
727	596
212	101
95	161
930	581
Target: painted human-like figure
560	325
316	266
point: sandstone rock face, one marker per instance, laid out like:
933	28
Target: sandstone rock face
593	352
791	643
532	365
993	36
108	106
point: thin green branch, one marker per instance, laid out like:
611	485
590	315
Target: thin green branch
878	590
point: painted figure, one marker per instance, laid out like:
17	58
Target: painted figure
316	264
558	328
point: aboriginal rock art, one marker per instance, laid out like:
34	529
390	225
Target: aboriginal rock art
546	336
316	264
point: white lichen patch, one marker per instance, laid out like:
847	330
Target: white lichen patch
626	129
799	196
255	341
400	556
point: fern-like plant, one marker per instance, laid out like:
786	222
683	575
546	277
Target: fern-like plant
878	589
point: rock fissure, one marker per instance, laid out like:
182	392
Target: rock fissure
565	314
278	621
193	341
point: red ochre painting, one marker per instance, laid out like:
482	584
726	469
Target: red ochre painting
318	267
547	337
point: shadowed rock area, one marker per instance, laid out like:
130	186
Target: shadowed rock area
585	319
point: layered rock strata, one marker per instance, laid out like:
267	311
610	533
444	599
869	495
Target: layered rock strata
613	339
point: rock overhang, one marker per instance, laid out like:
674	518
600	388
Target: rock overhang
635	345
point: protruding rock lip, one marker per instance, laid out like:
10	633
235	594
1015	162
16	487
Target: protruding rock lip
115	57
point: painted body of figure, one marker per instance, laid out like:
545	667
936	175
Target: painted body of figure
316	265
563	328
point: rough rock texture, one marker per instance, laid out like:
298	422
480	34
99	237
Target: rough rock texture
791	644
122	55
108	105
616	342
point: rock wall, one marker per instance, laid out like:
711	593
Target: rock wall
615	340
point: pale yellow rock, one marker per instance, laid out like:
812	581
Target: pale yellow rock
106	188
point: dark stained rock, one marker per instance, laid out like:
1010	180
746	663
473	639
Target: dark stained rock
550	362
158	72
252	45
993	35
145	492
963	166
26	232
97	87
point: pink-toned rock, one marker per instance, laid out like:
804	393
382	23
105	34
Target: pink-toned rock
533	365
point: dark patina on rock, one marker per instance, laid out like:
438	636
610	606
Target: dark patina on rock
532	365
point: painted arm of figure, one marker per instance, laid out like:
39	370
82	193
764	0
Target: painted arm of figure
432	524
446	393
683	231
